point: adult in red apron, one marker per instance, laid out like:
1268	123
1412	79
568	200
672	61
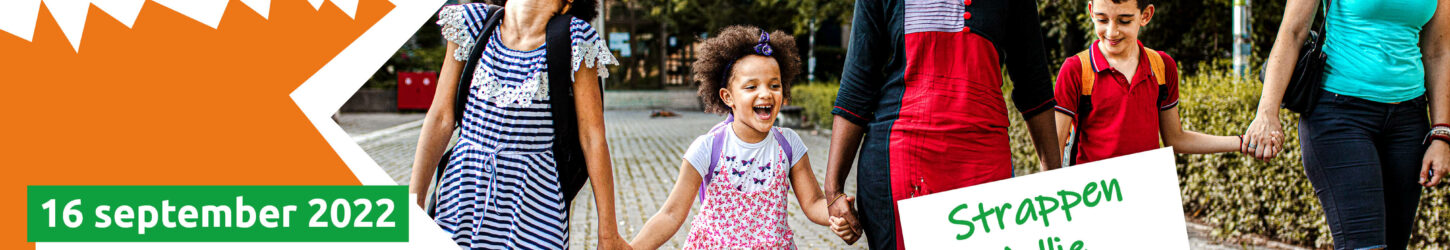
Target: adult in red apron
932	110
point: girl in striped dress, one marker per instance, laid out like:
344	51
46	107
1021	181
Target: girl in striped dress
500	189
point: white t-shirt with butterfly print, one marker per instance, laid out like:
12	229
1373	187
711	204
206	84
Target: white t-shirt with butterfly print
744	205
737	153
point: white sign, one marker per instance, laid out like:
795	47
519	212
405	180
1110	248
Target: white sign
1128	202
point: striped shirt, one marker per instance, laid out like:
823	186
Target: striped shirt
935	15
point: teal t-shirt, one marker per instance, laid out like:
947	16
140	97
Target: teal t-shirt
1374	50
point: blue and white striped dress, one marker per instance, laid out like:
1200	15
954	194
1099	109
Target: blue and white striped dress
500	190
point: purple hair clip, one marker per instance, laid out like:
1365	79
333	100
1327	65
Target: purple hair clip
763	47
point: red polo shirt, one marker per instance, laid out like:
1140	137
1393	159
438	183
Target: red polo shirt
1123	117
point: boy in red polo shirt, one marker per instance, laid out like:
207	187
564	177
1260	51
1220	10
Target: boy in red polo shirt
1113	114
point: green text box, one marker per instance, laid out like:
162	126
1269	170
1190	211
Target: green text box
299	225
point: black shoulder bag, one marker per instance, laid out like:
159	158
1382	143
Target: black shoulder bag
1307	82
568	153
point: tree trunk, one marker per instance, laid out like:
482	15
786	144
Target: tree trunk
662	39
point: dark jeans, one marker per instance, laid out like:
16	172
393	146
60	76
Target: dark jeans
1363	158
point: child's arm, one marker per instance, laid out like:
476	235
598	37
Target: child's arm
667	221
1067	92
1190	142
808	192
1064	130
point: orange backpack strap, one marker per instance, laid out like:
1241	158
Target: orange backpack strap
1089	76
1084	104
1155	60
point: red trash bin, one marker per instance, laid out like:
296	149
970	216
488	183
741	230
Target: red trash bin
415	89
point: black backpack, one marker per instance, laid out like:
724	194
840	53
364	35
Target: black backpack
568	154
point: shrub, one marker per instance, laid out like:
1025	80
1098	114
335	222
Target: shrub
817	98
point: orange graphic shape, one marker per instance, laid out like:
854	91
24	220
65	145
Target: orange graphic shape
169	102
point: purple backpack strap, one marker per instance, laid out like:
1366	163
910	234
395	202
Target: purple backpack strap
717	142
785	145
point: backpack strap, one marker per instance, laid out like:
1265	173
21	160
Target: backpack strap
1089	76
1155	61
571	166
717	142
1160	69
1084	103
784	145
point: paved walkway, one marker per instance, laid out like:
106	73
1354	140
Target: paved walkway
646	157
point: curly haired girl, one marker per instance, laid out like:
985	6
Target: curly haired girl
741	170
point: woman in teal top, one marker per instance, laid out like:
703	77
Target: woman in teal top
1374	50
1364	144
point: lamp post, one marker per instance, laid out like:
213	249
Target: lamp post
1242	43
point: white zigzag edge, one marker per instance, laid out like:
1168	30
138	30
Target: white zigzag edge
18	17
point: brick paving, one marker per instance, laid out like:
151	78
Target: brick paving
645	154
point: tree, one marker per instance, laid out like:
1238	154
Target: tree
1192	31
689	20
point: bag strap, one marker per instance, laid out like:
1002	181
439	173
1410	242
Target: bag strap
1323	20
568	153
717	142
1155	61
784	145
465	80
1089	76
1160	73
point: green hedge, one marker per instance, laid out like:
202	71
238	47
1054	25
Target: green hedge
817	98
1240	195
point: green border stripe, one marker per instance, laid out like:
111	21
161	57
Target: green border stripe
292	205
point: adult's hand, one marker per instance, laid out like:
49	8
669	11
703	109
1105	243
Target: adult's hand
1436	164
1263	138
845	209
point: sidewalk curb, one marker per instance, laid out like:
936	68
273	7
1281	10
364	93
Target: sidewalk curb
369	136
1251	240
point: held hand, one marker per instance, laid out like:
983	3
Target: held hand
843	230
844	209
614	242
1436	164
1263	138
